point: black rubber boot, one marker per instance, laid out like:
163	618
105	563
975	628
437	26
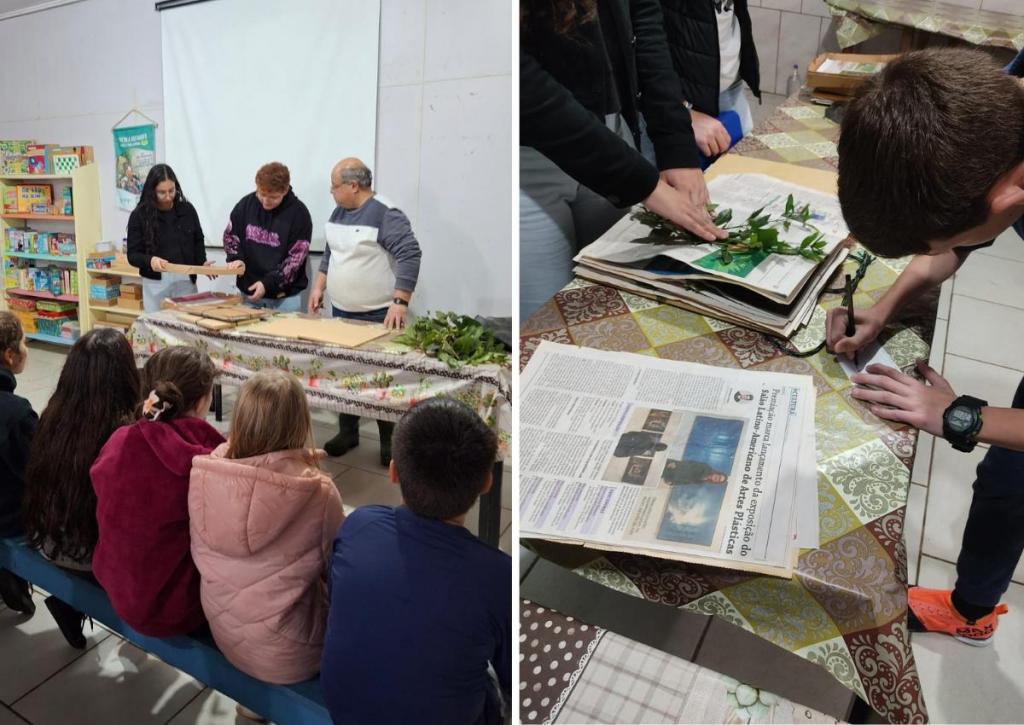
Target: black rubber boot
385	429
347	438
70	621
16	593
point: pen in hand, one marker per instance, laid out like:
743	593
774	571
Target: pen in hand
851	329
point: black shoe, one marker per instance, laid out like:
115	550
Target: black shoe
16	593
385	429
70	621
347	438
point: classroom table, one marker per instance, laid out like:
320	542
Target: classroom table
377	380
846	607
860	20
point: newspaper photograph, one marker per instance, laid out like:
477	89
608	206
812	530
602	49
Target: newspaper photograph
776	276
666	458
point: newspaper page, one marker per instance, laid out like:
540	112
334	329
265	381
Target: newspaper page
666	458
779	277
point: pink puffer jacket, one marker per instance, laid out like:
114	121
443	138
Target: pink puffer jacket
262	530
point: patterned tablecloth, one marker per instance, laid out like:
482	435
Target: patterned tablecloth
859	20
377	381
572	672
845	609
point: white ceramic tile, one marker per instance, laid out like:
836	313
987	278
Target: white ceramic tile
826	36
982	380
815	7
403	28
754	3
964	684
798	44
467	172
209	708
34	649
937	353
505	542
913	529
1013	7
361	488
792	6
945	299
1008	246
473	520
765	28
113	682
468	39
991	279
964	3
949	499
398	148
923	458
764	108
984	331
365	456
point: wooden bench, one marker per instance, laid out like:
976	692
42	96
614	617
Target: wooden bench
301	704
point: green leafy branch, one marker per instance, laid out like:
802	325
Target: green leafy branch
455	340
758	233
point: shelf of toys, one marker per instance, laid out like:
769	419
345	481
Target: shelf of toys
49	224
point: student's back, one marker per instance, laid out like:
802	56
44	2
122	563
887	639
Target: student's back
17	422
418	608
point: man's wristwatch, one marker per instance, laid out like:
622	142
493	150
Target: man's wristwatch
961	422
400	301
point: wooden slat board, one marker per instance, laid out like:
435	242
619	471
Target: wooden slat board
332	332
212	270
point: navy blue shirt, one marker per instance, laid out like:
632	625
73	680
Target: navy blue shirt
418	609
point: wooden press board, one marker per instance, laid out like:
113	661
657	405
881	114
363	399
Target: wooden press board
212	270
332	332
818	179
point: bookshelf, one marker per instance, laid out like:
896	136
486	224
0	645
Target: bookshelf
85	224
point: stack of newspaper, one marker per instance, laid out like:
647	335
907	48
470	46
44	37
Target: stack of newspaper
773	293
671	459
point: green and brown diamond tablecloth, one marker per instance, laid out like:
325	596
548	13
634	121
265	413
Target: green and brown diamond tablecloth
845	609
860	20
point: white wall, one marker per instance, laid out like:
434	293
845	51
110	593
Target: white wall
444	125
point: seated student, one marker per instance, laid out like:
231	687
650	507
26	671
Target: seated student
263	516
17	422
97	392
268	236
164	229
143	559
420	606
931	164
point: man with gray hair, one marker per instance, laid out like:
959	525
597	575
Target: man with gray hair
369	270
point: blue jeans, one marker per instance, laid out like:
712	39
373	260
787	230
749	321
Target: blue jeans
994	535
372	316
281	304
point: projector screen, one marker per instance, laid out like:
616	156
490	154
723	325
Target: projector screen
252	81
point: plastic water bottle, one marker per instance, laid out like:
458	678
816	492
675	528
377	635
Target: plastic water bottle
793	83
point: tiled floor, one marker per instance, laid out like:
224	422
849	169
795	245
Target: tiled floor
978	348
45	682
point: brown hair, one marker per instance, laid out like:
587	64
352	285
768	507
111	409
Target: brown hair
561	16
97	393
921	145
271	414
443	453
273	177
180	377
10	332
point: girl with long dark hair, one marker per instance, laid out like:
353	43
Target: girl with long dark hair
164	229
98	392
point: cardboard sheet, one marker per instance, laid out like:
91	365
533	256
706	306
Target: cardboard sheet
331	332
212	270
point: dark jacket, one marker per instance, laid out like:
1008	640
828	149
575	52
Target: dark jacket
568	84
692	31
17	423
273	244
179	240
143	558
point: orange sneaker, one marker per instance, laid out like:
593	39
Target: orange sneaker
935	611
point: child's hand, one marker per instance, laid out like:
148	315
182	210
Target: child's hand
868	324
900	398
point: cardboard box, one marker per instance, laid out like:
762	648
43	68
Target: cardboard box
858	68
95	302
131	290
130	303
